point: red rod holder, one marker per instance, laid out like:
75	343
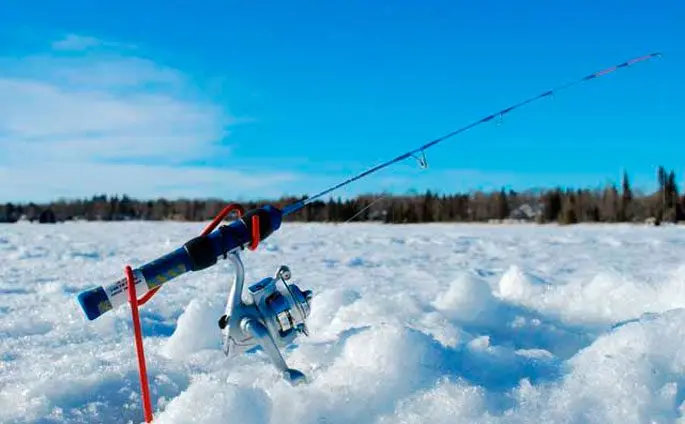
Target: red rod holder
220	217
135	302
142	370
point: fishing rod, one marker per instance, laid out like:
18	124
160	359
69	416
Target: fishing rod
274	316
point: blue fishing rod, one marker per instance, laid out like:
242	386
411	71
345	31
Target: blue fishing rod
204	251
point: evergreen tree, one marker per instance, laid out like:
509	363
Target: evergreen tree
428	208
626	198
671	190
568	211
609	209
661	174
10	212
502	205
553	202
672	210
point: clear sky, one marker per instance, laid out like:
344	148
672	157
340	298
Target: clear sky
261	99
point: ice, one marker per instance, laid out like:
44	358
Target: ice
440	323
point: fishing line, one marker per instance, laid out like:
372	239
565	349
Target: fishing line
384	196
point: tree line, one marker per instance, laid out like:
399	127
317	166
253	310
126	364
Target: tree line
561	205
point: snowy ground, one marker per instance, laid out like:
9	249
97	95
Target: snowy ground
410	324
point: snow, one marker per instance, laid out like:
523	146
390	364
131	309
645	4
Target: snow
441	323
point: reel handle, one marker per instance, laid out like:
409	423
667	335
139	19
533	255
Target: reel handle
260	333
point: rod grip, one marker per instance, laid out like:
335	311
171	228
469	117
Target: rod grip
196	254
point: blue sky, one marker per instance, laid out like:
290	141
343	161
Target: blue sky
254	100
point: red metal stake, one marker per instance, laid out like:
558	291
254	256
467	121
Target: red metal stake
142	370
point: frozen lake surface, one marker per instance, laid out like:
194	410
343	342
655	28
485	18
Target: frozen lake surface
441	323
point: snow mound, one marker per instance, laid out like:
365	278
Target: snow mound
518	285
607	297
197	329
635	374
448	403
322	321
468	299
211	400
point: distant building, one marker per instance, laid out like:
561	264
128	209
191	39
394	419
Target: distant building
526	212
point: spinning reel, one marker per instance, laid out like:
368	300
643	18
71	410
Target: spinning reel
271	317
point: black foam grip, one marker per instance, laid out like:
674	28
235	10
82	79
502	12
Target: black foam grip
265	224
201	252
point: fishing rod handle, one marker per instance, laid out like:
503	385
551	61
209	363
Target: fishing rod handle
196	254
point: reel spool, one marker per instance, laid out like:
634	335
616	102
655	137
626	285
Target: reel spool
270	317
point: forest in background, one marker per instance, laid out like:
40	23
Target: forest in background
560	205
